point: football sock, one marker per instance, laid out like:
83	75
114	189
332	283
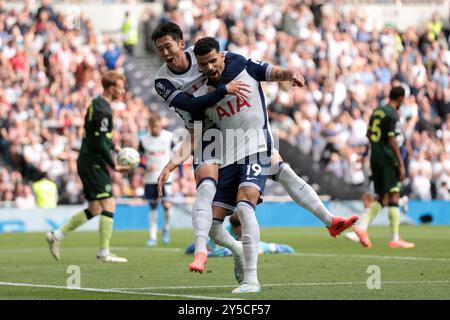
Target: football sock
250	240
223	238
153	221
202	215
167	216
394	219
106	227
303	194
77	220
371	213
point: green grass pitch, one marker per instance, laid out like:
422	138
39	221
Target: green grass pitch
321	268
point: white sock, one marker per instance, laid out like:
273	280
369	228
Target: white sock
363	223
153	224
167	216
59	235
223	238
303	194
202	215
395	236
250	241
103	252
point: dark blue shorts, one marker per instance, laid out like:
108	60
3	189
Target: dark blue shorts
151	192
252	172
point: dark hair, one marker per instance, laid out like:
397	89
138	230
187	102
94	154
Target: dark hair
396	92
167	29
205	46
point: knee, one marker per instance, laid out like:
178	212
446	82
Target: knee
95	208
108	204
207	183
219	213
153	205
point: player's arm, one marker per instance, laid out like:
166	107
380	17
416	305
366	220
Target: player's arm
179	155
103	134
369	130
279	74
189	103
393	145
262	71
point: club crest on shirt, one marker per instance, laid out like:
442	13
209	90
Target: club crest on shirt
160	88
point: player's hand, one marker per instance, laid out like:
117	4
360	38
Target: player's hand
402	173
120	168
238	88
117	149
163	176
298	80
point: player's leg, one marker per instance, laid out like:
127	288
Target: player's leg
373	206
167	213
153	223
89	176
376	204
368	199
54	238
220	236
246	204
151	195
393	195
108	206
206	177
167	220
252	179
305	196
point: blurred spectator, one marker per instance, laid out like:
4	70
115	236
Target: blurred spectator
129	33
349	64
112	56
46	192
50	72
443	192
24	197
421	187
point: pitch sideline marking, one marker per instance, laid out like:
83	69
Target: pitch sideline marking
331	255
286	284
30	285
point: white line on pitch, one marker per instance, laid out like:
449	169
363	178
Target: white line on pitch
30	285
288	284
41	249
334	255
330	255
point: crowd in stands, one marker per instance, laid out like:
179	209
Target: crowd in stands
349	65
50	69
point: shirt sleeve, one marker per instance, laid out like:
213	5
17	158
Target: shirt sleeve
259	70
186	102
391	126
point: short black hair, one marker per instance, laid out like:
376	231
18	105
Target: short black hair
205	46
167	29
396	92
